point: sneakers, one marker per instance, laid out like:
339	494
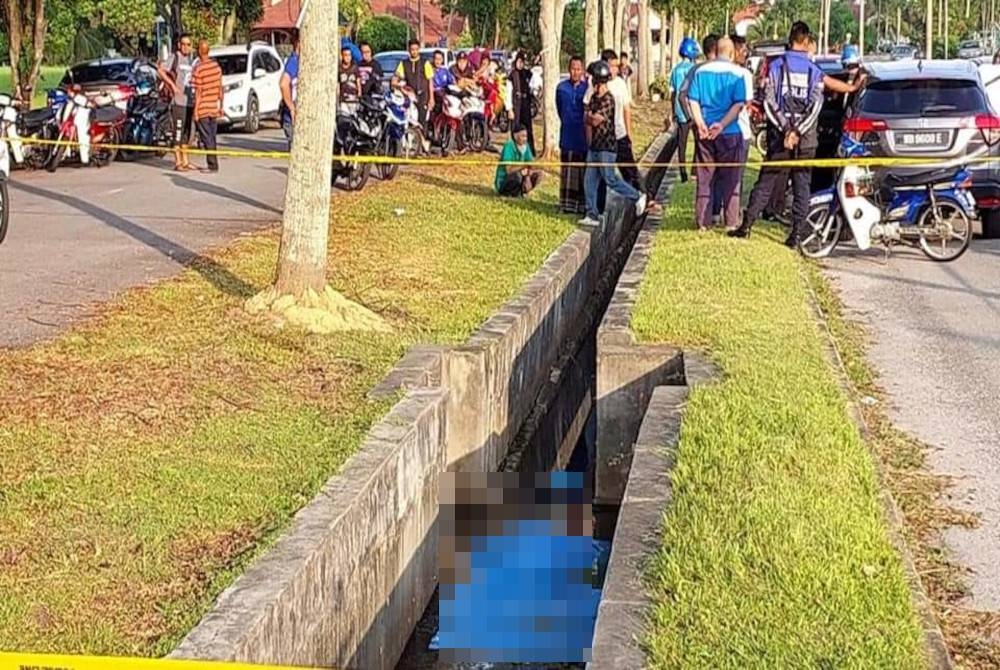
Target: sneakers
640	205
589	221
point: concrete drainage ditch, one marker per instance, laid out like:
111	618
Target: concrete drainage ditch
351	578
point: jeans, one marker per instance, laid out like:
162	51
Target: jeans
286	125
601	168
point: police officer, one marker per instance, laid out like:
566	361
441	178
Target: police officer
793	99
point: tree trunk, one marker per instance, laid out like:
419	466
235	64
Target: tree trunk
623	16
23	81
229	26
14	38
420	21
447	25
663	43
591	18
305	224
644	55
547	26
607	14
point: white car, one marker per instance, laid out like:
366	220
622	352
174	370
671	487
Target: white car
251	76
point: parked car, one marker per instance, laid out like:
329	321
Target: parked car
389	61
970	49
905	52
251	76
97	75
932	108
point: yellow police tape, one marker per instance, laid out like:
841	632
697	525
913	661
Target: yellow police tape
18	661
872	161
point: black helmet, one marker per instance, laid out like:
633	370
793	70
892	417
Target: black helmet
599	72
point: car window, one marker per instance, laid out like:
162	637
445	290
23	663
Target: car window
923	97
271	62
90	73
258	60
232	63
388	62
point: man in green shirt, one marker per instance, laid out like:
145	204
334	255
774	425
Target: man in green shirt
516	181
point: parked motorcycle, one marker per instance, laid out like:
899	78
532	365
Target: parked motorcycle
446	123
148	123
359	128
30	125
932	209
84	122
475	133
394	132
496	116
415	141
8	133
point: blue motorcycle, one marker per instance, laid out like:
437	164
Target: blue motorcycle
149	124
932	209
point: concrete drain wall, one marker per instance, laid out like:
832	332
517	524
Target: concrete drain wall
344	586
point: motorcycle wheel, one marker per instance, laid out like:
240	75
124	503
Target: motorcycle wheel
55	156
4	209
164	136
104	156
478	135
129	155
940	224
501	123
760	141
357	174
390	148
447	140
534	107
823	232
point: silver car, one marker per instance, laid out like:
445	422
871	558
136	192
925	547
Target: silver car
934	109
970	49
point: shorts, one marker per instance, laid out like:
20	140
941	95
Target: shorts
183	119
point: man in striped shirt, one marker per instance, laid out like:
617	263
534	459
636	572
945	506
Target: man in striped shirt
206	80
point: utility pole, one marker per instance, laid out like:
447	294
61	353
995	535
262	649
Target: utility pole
929	30
861	30
945	28
899	25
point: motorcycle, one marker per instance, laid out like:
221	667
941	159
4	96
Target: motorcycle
414	142
535	86
86	121
446	123
148	123
28	126
8	133
359	127
496	116
394	132
475	134
926	209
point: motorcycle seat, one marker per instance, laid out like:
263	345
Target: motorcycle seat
937	176
38	116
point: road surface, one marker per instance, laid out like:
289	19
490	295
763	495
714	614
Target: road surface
83	234
936	328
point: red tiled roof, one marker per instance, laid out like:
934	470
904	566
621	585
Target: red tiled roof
434	19
750	12
279	14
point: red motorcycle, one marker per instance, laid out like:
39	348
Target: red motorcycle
496	115
446	122
96	121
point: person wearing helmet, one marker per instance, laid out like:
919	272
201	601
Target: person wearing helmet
688	53
602	153
850	56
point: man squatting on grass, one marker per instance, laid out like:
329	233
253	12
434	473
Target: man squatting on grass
515	181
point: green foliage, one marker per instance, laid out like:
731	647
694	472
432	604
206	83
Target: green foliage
465	40
385	33
573	38
660	85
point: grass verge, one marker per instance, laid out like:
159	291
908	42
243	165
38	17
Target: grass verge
775	552
147	456
51	74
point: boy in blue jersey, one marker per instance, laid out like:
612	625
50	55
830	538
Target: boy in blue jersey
717	94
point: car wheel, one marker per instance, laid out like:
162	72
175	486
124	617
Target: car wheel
991	223
252	123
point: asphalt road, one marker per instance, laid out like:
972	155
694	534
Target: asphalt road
936	328
83	234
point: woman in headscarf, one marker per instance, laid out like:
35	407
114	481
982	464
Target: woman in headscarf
519	100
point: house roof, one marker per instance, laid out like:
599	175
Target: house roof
434	19
283	15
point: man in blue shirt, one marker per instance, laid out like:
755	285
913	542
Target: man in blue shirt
688	52
289	84
572	138
717	95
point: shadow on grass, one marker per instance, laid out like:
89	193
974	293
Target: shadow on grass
215	274
536	202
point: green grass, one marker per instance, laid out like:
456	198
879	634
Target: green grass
775	552
51	74
147	456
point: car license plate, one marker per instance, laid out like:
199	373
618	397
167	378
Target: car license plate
922	139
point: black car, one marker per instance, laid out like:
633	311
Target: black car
105	72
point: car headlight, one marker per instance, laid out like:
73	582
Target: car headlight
232	87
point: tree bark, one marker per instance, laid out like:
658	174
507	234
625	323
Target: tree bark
548	24
663	43
623	26
15	28
591	18
607	12
302	255
420	21
645	53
